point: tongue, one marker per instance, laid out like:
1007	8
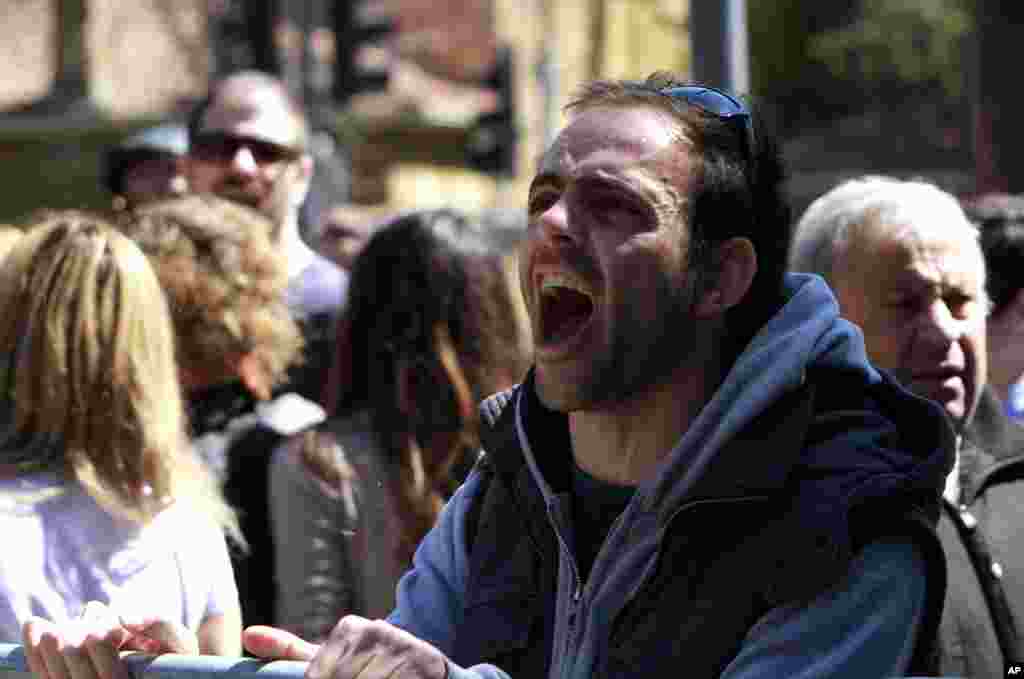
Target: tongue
565	312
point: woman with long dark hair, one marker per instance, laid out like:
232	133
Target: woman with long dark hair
432	327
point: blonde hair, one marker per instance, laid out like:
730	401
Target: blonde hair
225	282
90	364
9	236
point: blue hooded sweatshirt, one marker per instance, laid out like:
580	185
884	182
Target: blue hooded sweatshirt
864	626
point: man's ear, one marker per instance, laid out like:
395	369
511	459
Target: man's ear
1016	307
306	167
250	370
734	265
1010	319
300	178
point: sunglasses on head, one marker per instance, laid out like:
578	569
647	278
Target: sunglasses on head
222	147
719	104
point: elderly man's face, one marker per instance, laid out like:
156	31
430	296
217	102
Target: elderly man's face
918	293
603	267
249	150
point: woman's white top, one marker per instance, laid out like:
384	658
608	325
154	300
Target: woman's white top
61	550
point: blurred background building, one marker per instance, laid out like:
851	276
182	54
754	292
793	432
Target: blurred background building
429	102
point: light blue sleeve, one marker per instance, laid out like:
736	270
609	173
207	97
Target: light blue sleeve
864	627
429	598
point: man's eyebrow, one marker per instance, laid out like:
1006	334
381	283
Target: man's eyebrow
545	179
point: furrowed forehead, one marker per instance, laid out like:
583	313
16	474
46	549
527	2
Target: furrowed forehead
611	137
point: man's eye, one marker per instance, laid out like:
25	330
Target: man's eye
905	304
541	202
961	305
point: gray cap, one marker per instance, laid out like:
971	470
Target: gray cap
169	138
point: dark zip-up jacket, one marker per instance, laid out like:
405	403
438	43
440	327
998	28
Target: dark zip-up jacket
983	536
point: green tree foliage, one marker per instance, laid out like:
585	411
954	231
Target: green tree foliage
779	43
913	42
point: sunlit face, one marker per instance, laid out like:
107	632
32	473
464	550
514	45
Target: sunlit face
249	150
603	268
918	293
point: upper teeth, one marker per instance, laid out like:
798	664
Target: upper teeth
562	280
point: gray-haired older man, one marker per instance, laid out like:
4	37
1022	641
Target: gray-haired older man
906	265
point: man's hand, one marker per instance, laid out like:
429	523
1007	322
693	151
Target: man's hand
357	648
89	648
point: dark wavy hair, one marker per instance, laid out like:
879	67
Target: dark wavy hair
431	313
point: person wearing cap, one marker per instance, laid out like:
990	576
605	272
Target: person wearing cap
147	166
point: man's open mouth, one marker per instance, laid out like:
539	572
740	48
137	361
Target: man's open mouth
566	306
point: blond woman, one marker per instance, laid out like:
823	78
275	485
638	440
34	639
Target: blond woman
101	499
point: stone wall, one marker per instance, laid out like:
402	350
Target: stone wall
148	58
144	56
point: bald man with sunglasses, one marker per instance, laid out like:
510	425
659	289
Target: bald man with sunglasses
248	143
701	475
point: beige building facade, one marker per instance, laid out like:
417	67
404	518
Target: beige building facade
146	59
558	44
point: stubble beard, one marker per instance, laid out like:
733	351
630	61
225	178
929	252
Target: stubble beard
275	205
639	353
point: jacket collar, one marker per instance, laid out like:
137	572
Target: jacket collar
764	456
992	431
741	469
993	446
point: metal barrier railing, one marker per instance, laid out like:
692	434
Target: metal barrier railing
171	666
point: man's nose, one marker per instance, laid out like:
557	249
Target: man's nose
554	224
941	326
243	161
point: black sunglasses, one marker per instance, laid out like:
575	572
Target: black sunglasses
221	147
718	103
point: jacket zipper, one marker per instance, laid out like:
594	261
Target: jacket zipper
574	602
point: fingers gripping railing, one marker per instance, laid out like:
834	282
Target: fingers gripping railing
170	666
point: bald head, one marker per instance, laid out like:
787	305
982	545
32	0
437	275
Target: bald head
255	104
